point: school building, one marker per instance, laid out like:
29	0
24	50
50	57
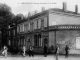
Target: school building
50	27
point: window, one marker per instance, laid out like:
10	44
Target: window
9	33
24	42
42	23
45	22
28	26
23	27
39	23
35	40
77	42
18	42
31	27
35	24
18	28
13	32
40	40
9	26
9	42
13	42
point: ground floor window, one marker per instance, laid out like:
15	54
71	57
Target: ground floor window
38	40
35	40
22	40
13	42
9	42
77	42
18	42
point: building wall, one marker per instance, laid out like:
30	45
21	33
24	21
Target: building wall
66	37
51	38
63	19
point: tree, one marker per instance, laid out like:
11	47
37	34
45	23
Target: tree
5	18
5	13
18	17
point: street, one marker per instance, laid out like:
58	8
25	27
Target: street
39	57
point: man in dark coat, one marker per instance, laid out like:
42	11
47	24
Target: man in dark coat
66	51
45	51
31	51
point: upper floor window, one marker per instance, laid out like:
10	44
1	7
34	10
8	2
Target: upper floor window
23	27
35	24
18	29
39	23
45	21
9	33
9	26
14	32
31	27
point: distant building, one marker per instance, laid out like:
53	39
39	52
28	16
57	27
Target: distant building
50	27
12	37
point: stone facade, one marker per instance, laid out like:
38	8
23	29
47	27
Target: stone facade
50	27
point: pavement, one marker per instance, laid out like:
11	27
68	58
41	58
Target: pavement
39	57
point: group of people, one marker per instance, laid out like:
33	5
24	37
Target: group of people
45	50
66	51
30	50
4	52
57	51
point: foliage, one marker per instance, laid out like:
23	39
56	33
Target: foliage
18	17
5	15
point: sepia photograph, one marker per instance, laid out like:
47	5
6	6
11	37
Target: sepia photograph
39	30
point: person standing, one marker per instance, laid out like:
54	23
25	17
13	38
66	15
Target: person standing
45	51
24	50
57	52
31	51
66	51
5	51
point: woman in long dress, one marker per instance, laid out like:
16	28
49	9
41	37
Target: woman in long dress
24	50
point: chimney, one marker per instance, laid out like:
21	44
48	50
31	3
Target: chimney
35	12
43	8
64	6
76	9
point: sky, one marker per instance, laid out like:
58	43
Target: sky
25	6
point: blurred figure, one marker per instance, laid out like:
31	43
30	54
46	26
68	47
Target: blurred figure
66	51
31	50
24	50
57	52
45	51
5	51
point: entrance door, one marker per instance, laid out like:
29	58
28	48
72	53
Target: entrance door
45	41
